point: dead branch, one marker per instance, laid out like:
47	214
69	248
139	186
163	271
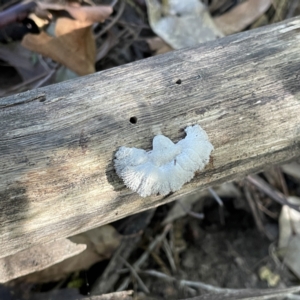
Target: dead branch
57	143
16	13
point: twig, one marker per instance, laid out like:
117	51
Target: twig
34	82
220	202
174	250
168	252
113	22
145	255
16	13
225	293
273	254
207	287
135	274
271	214
47	77
140	26
191	213
110	276
282	182
280	10
110	42
162	265
23	85
271	192
165	277
216	196
113	3
124	295
253	208
151	247
196	284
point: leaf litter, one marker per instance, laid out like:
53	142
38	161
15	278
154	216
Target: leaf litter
182	24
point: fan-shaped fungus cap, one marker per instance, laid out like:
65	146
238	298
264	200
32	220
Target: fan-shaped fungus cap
168	166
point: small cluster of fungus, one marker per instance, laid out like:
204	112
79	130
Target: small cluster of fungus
168	166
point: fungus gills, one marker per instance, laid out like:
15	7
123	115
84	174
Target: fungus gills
168	166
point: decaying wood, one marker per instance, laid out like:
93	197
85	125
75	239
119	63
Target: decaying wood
37	258
57	143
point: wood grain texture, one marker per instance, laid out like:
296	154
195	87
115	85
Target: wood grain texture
57	143
37	258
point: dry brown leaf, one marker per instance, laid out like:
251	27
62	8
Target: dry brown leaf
37	258
66	25
292	169
73	46
218	4
158	45
39	22
289	235
100	244
289	223
242	16
85	14
182	23
291	255
104	239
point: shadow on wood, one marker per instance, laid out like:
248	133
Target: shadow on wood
57	142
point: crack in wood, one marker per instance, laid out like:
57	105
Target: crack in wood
41	98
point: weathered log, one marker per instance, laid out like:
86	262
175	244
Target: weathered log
57	143
37	258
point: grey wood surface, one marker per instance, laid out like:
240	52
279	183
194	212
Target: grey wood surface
57	143
37	258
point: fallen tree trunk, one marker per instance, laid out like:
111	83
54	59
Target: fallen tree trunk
57	143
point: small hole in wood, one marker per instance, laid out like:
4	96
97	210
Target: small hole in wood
178	81
43	99
133	120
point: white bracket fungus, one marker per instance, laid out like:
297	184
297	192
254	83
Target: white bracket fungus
168	166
